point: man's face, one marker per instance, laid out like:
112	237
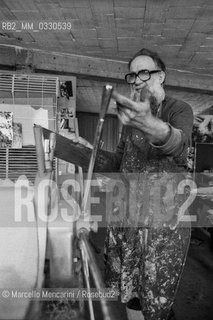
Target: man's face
153	85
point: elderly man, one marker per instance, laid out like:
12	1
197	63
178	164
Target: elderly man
145	262
145	255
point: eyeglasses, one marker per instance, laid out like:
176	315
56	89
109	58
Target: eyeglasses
143	75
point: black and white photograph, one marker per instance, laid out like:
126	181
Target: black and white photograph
106	159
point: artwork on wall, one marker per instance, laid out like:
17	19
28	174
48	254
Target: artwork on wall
6	129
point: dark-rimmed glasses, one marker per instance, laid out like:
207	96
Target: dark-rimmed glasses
143	75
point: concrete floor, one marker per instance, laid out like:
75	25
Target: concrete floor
194	299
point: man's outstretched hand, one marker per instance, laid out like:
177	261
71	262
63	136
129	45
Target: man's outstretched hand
131	112
142	115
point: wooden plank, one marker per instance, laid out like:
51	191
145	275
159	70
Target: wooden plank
67	150
76	153
92	67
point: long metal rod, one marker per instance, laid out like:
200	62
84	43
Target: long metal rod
95	273
80	170
106	96
86	277
84	244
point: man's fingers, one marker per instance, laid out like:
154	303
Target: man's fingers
123	117
124	101
131	114
122	120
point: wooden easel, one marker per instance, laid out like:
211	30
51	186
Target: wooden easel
81	156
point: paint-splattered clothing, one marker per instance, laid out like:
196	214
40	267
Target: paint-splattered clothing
151	274
144	258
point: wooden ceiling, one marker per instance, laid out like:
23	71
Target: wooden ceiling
100	36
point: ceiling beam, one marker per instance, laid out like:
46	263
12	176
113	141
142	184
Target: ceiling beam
18	58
